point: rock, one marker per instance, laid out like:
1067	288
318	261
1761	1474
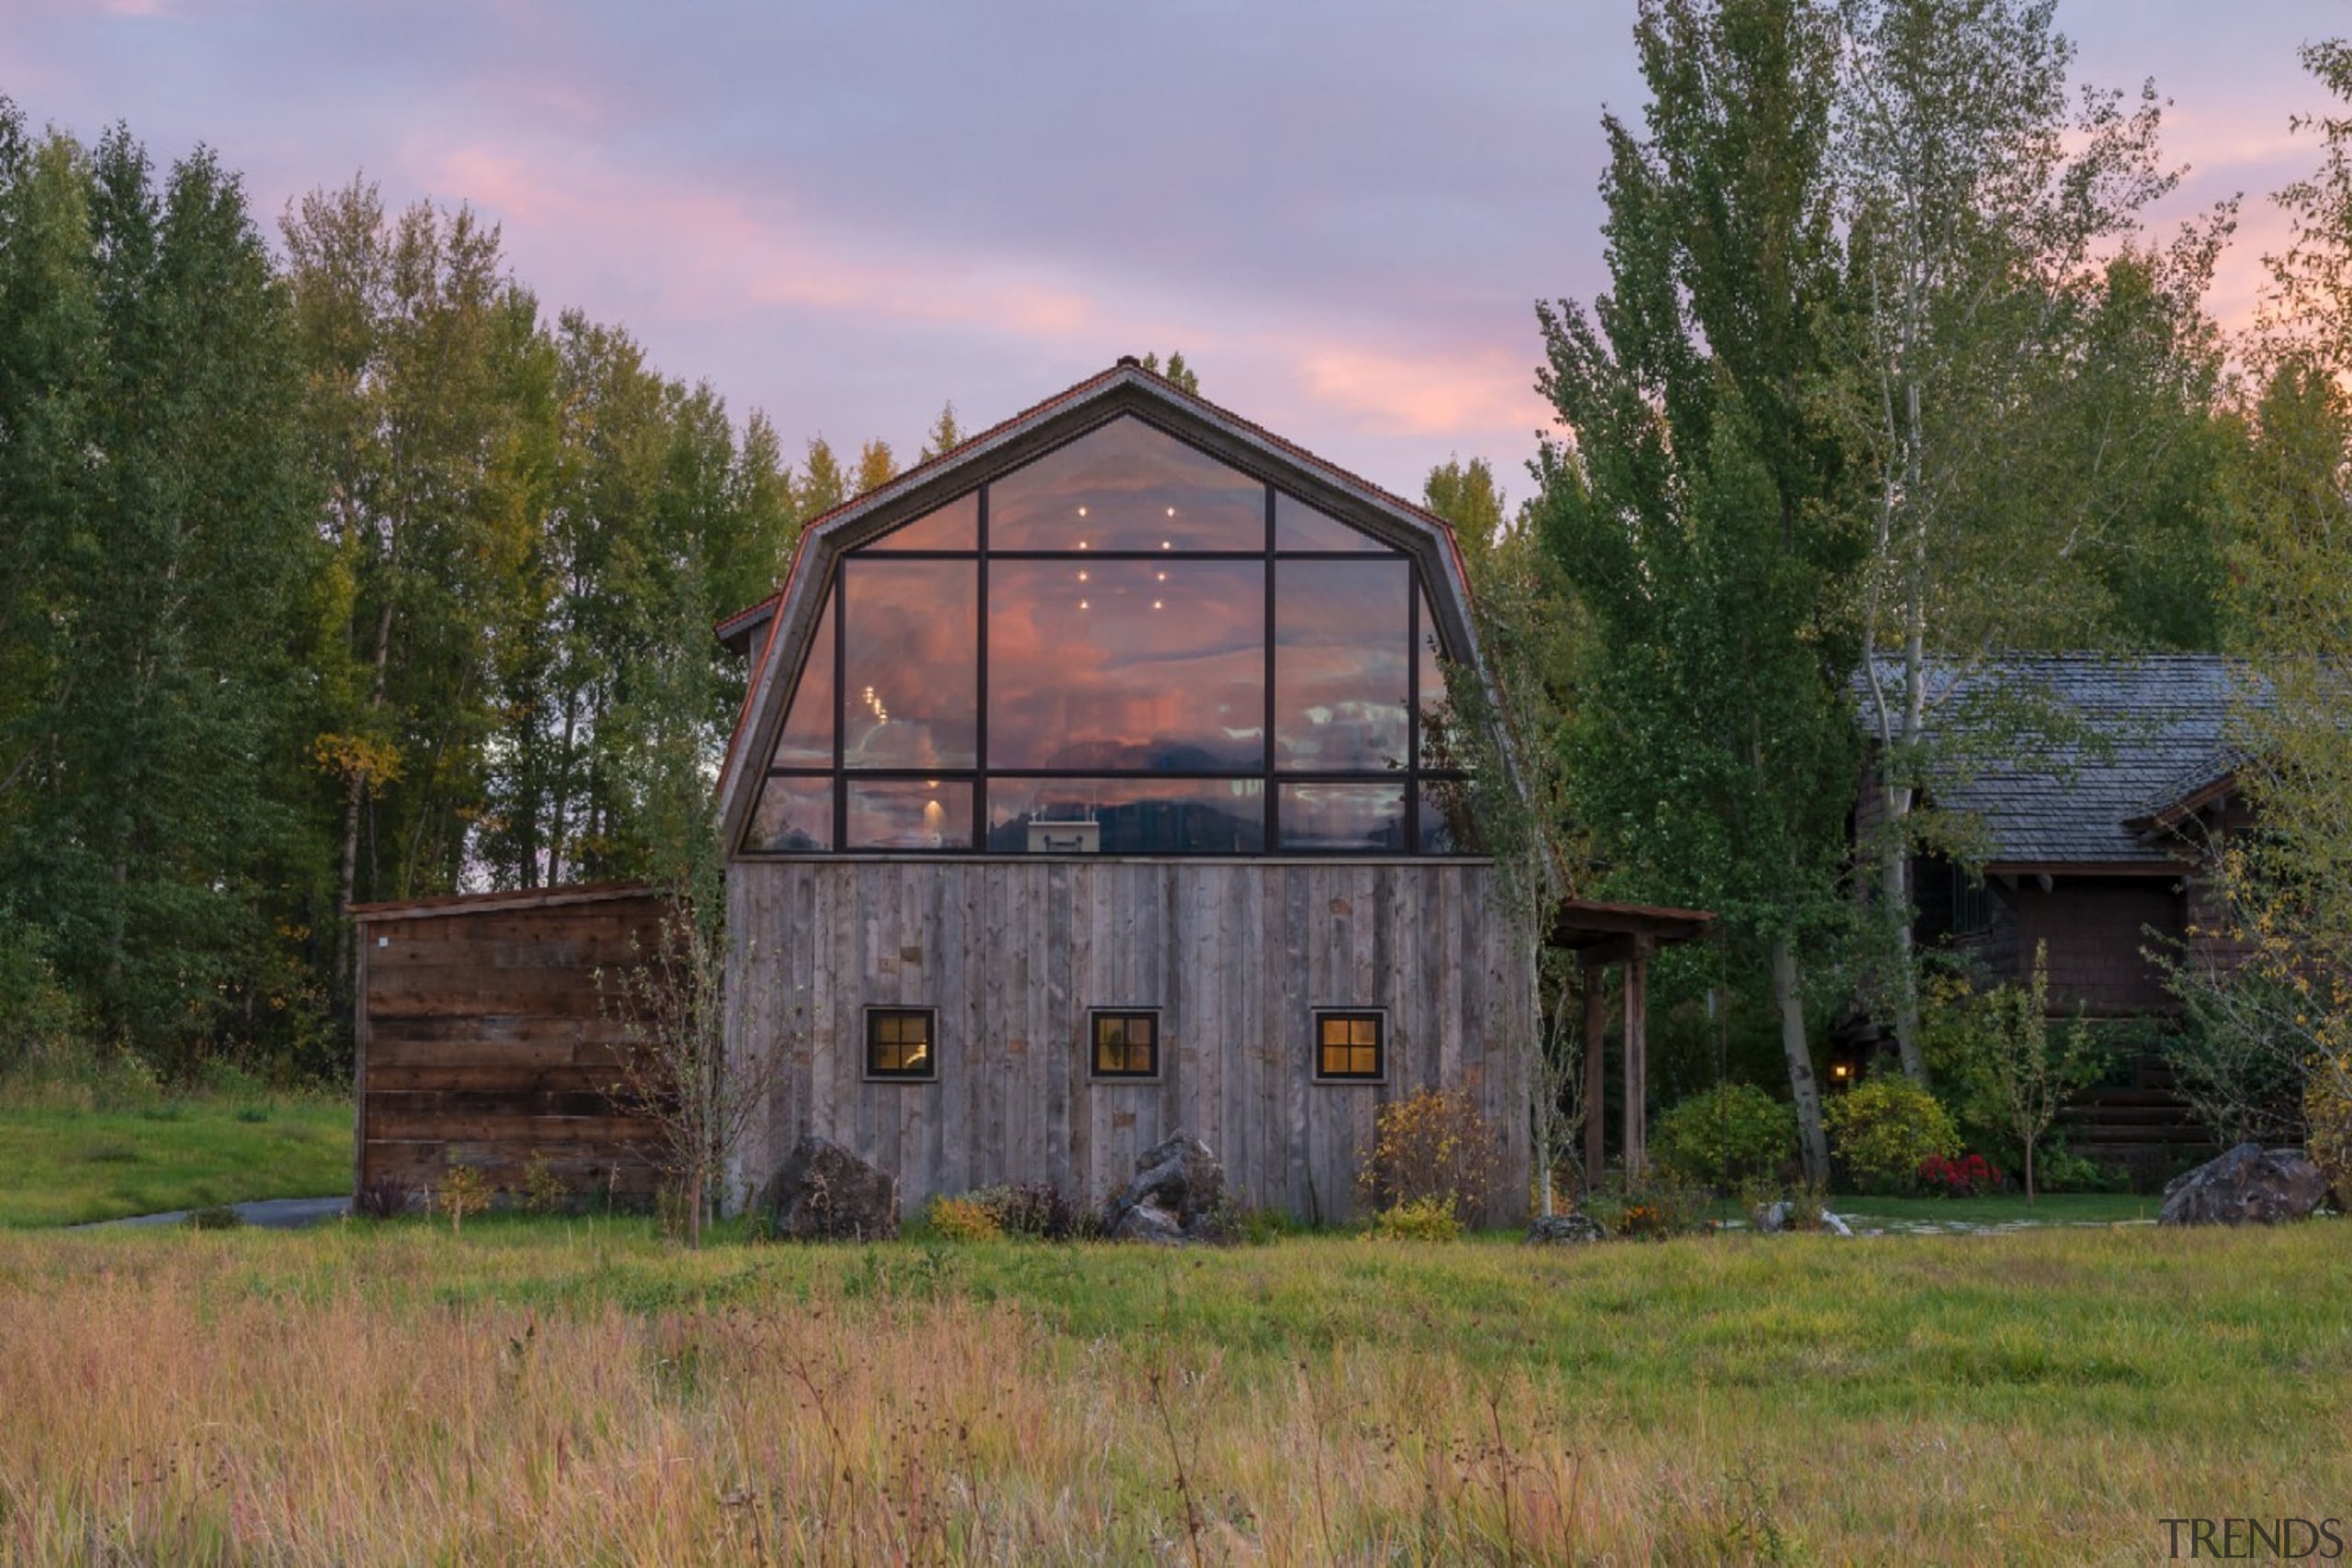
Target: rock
1774	1218
823	1193
2247	1185
1178	1187
1564	1230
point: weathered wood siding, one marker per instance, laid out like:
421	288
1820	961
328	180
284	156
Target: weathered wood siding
482	1040
1016	954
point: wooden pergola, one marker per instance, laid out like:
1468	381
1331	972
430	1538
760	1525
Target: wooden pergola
1600	935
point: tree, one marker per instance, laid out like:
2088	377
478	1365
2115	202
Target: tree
1177	371
1988	253
411	336
1465	495
877	466
158	600
2015	1075
945	435
822	484
1691	506
1506	732
2291	558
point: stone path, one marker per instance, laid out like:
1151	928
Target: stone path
267	1214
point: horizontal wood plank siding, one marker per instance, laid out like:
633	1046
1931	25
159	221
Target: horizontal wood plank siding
484	1041
1234	957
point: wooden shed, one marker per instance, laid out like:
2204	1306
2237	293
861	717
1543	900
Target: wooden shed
484	1039
1098	780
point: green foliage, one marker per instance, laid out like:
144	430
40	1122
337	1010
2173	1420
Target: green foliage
1655	1209
945	435
1418	1219
1176	371
2010	1074
1724	1135
38	1018
543	1189
215	1217
1691	504
1882	1128
158	577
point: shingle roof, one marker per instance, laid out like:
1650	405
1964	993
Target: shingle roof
2147	730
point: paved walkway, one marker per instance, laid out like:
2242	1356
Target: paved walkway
268	1213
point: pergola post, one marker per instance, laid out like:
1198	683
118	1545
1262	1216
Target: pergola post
1600	935
1638	1065
1596	1055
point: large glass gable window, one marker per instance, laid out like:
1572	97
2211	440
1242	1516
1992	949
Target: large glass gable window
1124	646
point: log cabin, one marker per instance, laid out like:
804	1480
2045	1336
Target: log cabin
1095	782
2089	829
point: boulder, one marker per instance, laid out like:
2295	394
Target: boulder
1174	1197
1773	1218
823	1193
2247	1185
1564	1230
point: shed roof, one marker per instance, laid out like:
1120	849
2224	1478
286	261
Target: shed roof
2133	738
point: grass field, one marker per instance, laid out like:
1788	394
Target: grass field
61	1163
583	1392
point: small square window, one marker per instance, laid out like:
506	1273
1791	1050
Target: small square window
1127	1044
1351	1047
901	1042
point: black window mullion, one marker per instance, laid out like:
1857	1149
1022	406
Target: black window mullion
841	701
1274	840
1413	710
980	697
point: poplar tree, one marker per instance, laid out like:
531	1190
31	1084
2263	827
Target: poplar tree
160	574
945	435
1994	281
1691	504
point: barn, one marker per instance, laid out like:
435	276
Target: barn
1099	780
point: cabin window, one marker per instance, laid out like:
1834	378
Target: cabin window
1351	1047
901	1042
1127	1044
1971	905
1123	647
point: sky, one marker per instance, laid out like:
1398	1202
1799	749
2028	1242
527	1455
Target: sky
1341	212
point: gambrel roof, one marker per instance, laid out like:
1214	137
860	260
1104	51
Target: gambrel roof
778	629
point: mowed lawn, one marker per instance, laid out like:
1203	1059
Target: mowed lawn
61	1165
554	1391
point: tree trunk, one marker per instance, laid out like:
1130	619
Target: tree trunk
1803	1089
1895	904
345	961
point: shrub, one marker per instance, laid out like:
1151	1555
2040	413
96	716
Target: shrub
463	1191
1970	1176
963	1219
543	1189
1882	1131
380	1200
1727	1134
1421	1219
1038	1210
1435	1143
214	1217
1656	1209
2327	1106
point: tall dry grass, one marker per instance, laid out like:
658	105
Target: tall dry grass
262	1399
